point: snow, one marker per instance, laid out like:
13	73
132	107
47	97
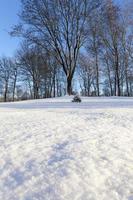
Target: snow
57	150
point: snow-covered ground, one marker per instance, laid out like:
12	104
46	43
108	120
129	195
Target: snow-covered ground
56	150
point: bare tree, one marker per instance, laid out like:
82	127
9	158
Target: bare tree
94	44
87	74
15	68
5	74
111	30
61	23
30	60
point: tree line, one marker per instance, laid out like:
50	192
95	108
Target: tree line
66	42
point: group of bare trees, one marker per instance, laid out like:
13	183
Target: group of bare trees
108	52
33	74
8	78
41	71
60	37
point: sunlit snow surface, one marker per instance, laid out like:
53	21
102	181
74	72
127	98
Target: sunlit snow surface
57	150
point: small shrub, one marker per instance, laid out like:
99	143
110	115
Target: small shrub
76	99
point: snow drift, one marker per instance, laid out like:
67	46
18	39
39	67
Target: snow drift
57	150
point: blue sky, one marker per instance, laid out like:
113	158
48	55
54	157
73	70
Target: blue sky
8	16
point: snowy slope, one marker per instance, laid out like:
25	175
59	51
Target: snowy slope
55	150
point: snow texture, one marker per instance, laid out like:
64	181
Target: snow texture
57	150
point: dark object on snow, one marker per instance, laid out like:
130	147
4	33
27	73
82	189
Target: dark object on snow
76	99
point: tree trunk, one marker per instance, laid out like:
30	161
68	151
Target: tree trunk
36	91
118	91
97	76
117	79
54	83
109	77
127	84
5	92
69	86
14	87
